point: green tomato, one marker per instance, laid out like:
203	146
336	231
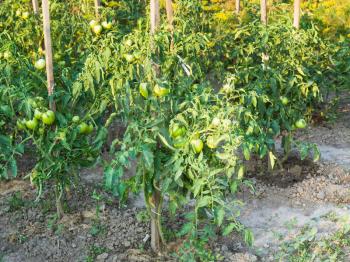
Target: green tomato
89	129
32	124
180	142
284	100
129	58
48	117
216	122
75	119
143	90
212	142
21	124
160	91
301	123
197	145
97	29
37	114
128	43
176	131
25	15
62	135
93	23
40	64
41	130
83	127
6	54
106	25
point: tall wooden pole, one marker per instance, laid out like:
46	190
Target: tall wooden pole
48	53
296	22
97	7
263	9
238	6
170	17
156	196
155	15
35	6
170	14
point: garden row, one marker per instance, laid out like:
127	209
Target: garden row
196	97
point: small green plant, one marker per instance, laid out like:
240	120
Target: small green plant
94	251
16	202
143	216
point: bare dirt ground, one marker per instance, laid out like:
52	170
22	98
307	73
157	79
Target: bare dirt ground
284	202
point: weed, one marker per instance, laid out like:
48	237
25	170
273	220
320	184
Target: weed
94	251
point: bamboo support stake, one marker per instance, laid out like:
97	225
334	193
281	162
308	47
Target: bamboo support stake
238	6
263	10
48	52
296	22
35	6
97	7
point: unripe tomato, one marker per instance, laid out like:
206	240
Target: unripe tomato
284	100
212	142
89	129
180	142
160	91
40	64
197	145
93	23
106	25
128	43
97	29
32	124
41	130
75	119
143	90
62	135
83	127
25	15
301	123
21	124
7	55
38	114
48	117
216	122
129	58
176	131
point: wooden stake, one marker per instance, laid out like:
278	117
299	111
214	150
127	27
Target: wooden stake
170	17
35	6
48	53
238	6
296	22
170	14
155	15
263	9
97	7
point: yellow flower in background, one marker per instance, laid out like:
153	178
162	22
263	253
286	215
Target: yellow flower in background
221	16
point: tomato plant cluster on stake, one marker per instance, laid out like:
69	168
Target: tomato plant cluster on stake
183	137
60	141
